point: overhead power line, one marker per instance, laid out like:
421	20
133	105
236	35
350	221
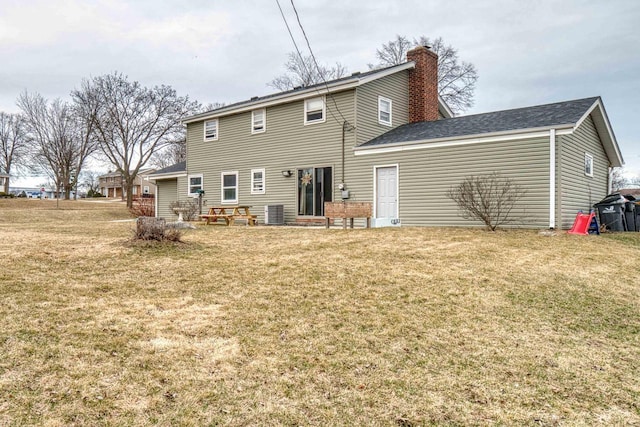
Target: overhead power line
304	65
304	33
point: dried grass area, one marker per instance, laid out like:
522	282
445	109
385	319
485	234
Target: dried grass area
302	326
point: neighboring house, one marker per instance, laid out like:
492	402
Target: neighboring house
635	192
4	178
387	138
38	192
112	185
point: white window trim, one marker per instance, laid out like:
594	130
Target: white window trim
264	121
264	182
380	99
217	130
197	175
589	157
222	187
324	111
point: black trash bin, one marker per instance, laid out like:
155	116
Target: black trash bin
611	211
630	215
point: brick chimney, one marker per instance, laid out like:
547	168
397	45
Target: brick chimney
423	85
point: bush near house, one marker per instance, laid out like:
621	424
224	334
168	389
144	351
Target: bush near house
143	207
150	228
188	208
487	198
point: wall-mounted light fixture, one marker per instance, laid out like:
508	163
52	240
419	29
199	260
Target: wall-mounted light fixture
286	173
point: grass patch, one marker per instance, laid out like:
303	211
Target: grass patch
269	325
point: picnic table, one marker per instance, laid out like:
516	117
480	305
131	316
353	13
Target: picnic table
229	214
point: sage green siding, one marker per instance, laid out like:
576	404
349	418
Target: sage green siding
394	87
577	190
425	175
167	192
287	144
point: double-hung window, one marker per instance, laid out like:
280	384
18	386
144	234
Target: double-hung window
257	181
211	130
195	184
258	121
588	164
314	110
229	187
384	111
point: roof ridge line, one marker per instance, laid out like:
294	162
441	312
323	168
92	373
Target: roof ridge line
524	108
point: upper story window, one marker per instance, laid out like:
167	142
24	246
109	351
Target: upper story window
258	121
257	181
314	110
211	130
195	184
229	187
384	111
588	164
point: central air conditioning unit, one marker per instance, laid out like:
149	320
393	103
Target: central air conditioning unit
274	215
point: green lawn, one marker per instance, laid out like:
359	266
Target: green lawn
304	326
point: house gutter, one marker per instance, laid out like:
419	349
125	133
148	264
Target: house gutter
154	178
552	178
463	140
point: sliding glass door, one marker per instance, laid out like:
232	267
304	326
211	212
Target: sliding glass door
315	186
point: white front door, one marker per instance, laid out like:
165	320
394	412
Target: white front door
387	192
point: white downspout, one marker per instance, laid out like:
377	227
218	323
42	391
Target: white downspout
552	178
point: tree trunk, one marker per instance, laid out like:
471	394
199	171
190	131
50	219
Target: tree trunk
6	185
128	185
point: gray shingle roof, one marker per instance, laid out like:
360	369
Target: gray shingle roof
354	76
540	116
178	167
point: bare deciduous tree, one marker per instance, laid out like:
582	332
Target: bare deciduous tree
13	144
393	52
133	121
618	181
487	198
90	182
211	106
302	71
173	153
59	143
456	79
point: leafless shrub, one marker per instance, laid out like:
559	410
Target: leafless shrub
143	207
189	209
487	198
305	71
148	228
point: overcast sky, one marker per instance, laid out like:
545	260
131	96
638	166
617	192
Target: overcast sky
526	53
